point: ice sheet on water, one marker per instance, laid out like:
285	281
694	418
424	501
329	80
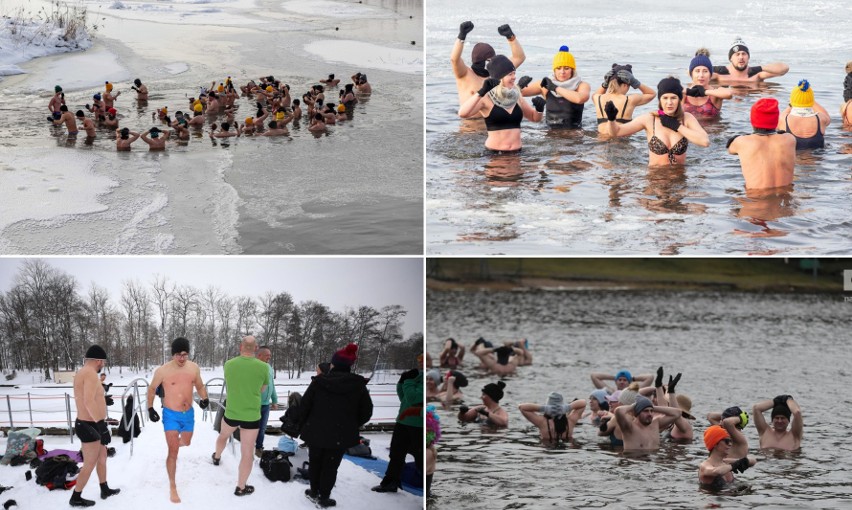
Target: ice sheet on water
38	185
374	56
324	8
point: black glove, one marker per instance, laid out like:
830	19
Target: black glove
465	29
607	77
546	83
483	411
506	32
106	437
604	422
658	382
696	91
740	465
781	400
463	409
152	415
204	402
487	85
673	382
109	400
107	386
610	110
669	122
627	77
539	103
88	107
522	83
410	374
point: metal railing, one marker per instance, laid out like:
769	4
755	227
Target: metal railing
130	425
66	398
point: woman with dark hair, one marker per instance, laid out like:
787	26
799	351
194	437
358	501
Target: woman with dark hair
500	102
669	129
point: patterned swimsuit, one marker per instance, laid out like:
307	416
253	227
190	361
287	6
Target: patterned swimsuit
656	146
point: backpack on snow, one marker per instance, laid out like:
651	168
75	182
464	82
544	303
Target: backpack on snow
275	465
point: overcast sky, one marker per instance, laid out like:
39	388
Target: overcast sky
335	282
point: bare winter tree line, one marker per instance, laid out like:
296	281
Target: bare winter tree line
47	325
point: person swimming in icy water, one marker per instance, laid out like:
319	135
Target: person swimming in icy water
500	361
717	471
669	129
489	413
701	99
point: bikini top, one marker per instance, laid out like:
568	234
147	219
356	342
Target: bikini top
656	146
707	109
620	120
500	119
817	141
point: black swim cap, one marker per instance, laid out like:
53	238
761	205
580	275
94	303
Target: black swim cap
96	352
180	345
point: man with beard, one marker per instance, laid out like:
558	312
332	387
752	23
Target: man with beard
642	432
784	407
739	71
470	79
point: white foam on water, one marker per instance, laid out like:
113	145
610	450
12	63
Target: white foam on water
125	240
226	203
373	56
196	12
38	185
329	9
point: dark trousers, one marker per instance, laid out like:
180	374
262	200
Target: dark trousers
264	418
322	469
405	439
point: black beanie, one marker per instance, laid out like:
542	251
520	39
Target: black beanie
670	85
495	391
781	409
179	345
499	67
96	352
461	379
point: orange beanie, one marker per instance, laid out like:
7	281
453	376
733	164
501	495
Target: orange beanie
713	435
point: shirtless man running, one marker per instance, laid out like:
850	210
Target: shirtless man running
470	79
785	411
738	71
178	377
642	432
90	425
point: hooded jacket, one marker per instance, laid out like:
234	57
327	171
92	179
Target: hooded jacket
333	408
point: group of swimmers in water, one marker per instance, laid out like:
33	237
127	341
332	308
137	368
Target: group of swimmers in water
271	97
633	413
490	89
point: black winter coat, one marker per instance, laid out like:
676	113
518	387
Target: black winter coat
334	407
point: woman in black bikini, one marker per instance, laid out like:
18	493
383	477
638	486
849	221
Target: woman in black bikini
500	102
616	83
669	129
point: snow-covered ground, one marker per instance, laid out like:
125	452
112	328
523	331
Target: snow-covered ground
141	475
23	40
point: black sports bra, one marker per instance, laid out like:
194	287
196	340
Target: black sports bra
499	118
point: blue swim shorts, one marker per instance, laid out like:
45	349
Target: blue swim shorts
180	421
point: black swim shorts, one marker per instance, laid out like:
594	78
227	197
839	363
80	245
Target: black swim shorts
250	425
87	431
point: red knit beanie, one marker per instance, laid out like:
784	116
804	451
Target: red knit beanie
345	357
764	114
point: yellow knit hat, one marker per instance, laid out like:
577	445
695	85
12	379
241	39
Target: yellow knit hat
802	95
564	59
108	87
197	107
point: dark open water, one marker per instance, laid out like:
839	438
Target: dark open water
733	349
